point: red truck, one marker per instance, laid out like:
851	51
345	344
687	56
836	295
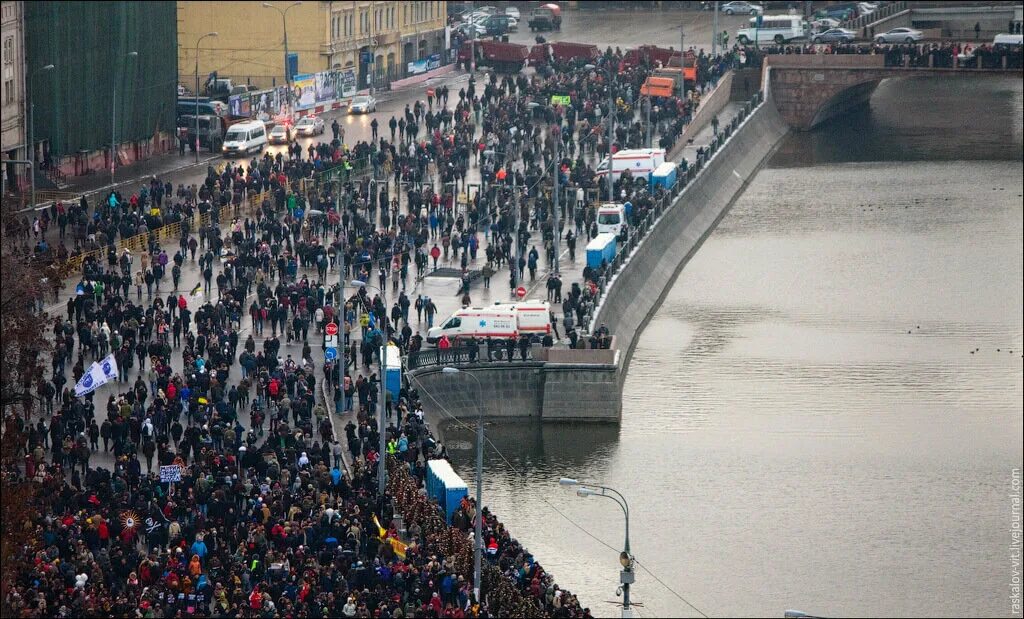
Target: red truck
562	51
503	57
649	53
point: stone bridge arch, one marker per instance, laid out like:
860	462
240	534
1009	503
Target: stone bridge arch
809	89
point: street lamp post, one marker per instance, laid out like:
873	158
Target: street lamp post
208	34
339	406
113	123
715	33
32	130
626	576
478	536
611	127
381	459
514	262
284	25
554	206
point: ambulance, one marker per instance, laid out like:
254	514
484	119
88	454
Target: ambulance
498	321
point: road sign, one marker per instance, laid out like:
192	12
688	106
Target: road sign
520	292
170	473
331	341
330	354
331	328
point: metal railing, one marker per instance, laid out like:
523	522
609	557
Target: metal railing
640	230
457	355
171	231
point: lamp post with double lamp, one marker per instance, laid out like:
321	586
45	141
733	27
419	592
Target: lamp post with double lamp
518	250
32	130
284	26
626	576
208	34
611	126
381	425
478	536
113	123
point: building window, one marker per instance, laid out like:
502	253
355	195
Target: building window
9	50
9	91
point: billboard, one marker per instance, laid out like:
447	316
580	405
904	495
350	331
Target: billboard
304	91
239	106
425	64
323	88
266	104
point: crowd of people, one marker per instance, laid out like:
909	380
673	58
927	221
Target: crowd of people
266	519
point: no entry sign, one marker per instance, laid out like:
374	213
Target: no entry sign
520	292
331	328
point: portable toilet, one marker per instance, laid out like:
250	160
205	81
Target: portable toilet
601	248
664	176
445	487
393	371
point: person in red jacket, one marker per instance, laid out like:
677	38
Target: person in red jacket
444	343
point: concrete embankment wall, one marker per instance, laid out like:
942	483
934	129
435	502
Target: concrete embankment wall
641	284
549	391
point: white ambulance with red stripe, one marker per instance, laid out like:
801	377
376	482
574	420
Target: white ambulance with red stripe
641	163
499	321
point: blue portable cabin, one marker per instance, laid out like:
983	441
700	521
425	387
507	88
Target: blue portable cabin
393	372
602	247
664	176
445	487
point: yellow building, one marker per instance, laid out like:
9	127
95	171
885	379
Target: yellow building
379	38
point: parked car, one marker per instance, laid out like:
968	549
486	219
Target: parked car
835	35
362	104
899	35
310	125
512	12
825	23
280	134
740	7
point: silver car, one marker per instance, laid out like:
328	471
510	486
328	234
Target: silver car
900	35
310	125
362	104
835	35
739	7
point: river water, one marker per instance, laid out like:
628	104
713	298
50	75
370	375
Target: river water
804	423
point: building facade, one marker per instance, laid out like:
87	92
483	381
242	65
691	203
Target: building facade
12	104
378	38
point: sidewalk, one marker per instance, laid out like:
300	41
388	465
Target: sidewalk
131	175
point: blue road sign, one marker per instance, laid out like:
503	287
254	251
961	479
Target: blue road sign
330	354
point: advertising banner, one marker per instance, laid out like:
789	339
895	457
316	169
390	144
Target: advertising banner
425	64
327	88
239	106
267	104
304	91
348	82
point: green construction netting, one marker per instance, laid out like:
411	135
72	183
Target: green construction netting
89	44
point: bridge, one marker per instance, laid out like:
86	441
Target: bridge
809	89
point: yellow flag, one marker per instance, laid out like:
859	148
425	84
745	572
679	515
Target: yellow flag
399	547
381	530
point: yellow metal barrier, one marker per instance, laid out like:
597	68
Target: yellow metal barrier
140	242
